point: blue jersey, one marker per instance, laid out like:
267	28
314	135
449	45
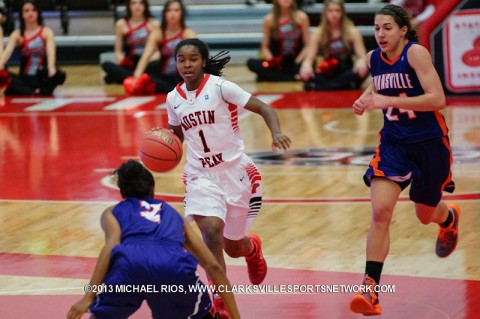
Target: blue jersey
397	78
149	218
152	255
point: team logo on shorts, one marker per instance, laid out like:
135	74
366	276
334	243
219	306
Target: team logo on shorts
206	97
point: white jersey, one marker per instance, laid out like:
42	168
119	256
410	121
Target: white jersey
209	120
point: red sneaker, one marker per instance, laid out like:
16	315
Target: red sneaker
256	264
220	308
448	237
366	302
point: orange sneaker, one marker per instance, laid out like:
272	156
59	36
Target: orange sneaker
366	302
221	310
256	264
447	238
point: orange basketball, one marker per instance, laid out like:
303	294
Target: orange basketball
160	150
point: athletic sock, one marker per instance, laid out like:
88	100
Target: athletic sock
449	220
373	269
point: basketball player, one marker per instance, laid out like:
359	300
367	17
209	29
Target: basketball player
414	146
38	71
172	30
223	187
131	34
144	240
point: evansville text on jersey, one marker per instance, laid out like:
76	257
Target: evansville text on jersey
392	81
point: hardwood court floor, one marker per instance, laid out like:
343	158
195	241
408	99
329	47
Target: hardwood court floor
56	156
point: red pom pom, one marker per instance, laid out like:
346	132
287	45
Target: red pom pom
127	63
5	79
143	85
328	67
274	63
128	85
148	84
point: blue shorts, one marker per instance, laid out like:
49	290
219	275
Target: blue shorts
426	165
164	271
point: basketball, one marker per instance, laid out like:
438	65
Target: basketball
160	150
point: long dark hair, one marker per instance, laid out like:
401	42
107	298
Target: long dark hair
20	15
213	65
163	24
401	17
146	13
134	180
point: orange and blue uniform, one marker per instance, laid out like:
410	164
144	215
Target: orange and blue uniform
409	138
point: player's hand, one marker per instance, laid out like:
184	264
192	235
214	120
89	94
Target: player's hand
78	309
360	68
281	142
306	72
374	101
359	106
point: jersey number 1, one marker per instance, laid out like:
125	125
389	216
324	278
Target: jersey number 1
206	149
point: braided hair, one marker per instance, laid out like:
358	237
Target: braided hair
134	180
401	17
213	65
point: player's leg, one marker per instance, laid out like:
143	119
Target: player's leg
433	178
185	303
211	228
21	85
205	203
384	196
388	174
115	73
113	303
244	198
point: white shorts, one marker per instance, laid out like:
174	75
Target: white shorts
233	194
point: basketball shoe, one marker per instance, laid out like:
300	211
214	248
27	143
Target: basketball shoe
221	310
366	302
256	264
448	236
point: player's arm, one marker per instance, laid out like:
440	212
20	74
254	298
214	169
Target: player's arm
50	51
434	97
305	27
150	48
267	30
112	238
205	258
13	41
279	140
1	42
306	70
360	67
360	105
120	25
189	33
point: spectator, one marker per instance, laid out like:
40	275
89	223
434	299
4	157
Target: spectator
172	30
285	33
38	72
342	52
131	35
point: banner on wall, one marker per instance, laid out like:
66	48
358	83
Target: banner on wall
462	51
